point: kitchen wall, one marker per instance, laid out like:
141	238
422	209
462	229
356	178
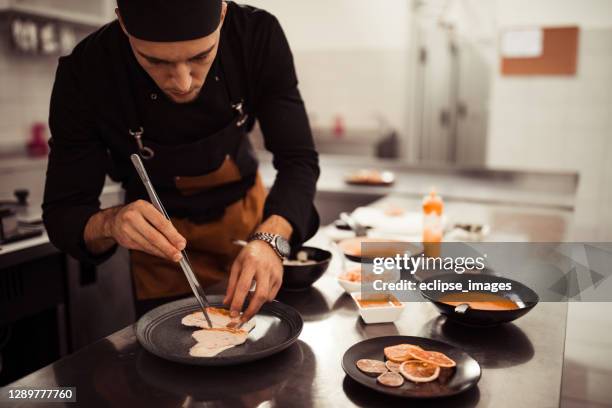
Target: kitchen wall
540	123
560	123
25	84
351	58
26	81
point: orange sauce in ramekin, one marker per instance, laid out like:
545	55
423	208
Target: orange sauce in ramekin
387	301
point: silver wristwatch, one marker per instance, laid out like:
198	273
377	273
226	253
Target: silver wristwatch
279	244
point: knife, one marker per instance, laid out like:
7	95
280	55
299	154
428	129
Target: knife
184	262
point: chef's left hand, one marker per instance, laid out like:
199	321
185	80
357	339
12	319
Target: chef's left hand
258	262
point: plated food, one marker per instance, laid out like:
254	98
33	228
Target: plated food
225	333
219	318
414	367
391	220
352	275
394	211
211	342
160	331
390	379
433	357
353	248
371	367
406	361
350	280
357	275
419	371
371	177
399	353
393	366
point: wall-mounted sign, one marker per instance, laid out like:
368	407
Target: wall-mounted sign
540	51
37	36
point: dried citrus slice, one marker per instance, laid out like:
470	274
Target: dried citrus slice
433	357
390	379
393	366
371	367
419	371
400	352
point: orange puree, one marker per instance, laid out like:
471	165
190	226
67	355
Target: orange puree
480	301
380	302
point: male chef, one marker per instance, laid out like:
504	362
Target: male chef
181	83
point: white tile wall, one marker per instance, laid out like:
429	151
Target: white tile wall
25	84
359	85
588	352
587	13
351	57
340	72
341	24
562	123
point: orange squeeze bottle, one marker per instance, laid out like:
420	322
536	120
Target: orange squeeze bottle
433	207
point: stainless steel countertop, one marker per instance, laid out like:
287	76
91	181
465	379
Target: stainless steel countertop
544	192
495	186
522	362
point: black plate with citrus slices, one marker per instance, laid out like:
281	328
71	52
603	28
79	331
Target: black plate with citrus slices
451	381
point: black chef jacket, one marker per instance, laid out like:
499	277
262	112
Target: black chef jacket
89	125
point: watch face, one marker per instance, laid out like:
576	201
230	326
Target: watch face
283	246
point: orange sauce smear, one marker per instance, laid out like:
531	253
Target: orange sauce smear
480	301
352	275
380	302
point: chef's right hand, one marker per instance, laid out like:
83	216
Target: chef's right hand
140	226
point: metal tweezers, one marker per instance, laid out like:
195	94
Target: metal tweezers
184	262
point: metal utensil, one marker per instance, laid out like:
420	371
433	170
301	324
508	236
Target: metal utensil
462	308
184	262
360	230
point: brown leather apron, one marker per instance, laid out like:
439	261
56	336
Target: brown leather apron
210	247
191	176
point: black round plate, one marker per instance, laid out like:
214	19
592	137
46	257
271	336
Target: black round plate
415	250
160	332
452	381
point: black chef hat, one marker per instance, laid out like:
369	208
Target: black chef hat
170	20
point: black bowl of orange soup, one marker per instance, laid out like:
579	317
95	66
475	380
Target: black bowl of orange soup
489	301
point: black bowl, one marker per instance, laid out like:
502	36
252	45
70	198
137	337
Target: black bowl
301	277
520	294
